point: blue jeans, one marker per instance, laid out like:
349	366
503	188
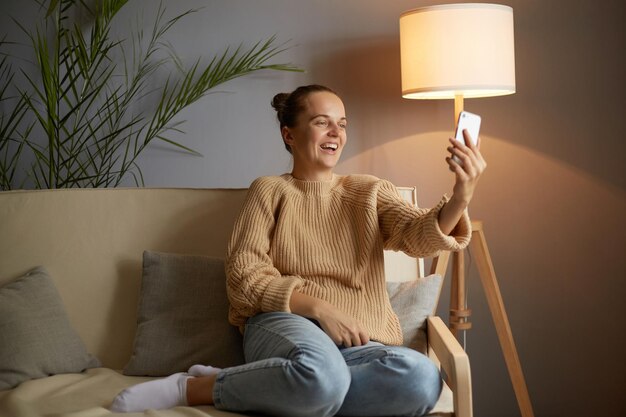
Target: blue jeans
294	369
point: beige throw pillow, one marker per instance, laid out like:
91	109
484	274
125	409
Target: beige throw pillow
413	301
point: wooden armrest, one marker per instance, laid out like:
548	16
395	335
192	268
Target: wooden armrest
454	362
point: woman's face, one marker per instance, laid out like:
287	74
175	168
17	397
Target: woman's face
318	138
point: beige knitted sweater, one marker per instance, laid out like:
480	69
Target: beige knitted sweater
326	239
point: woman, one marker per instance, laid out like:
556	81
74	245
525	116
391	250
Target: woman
306	283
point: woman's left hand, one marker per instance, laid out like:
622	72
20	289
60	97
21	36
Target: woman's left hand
467	172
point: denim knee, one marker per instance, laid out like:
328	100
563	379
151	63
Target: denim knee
301	371
422	382
322	388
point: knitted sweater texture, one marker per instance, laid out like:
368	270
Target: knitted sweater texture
326	239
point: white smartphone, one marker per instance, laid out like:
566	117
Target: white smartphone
471	122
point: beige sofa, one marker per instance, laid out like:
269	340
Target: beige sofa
91	242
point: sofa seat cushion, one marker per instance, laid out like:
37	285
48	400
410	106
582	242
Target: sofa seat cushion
89	394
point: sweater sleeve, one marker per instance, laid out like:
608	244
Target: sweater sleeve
253	284
416	231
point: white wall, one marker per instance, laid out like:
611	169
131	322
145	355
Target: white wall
553	198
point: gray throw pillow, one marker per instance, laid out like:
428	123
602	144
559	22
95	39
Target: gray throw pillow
413	301
183	316
36	337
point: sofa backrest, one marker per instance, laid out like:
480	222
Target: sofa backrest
91	242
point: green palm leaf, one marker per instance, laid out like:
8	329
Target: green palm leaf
80	116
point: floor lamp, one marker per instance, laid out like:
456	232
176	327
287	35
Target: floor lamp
458	51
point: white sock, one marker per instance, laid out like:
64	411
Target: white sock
158	394
202	370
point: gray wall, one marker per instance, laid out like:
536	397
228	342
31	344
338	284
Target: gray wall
552	199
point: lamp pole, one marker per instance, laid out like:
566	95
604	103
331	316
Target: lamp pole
457	51
459	313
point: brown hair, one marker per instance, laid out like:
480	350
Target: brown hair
288	106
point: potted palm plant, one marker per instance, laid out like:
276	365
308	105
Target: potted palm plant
75	121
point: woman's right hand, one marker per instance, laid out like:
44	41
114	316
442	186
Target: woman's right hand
343	329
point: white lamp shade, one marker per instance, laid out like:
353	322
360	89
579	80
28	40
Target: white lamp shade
457	50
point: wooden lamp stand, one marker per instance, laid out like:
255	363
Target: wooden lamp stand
460	314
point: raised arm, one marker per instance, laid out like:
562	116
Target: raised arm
466	173
416	231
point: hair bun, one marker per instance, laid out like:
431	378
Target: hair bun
279	101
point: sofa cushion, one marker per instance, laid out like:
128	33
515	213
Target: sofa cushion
182	316
413	301
37	339
90	393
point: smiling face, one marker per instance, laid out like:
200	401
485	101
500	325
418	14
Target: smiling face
318	138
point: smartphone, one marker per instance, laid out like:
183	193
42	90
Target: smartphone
471	122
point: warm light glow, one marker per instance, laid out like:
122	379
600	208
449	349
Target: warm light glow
457	50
